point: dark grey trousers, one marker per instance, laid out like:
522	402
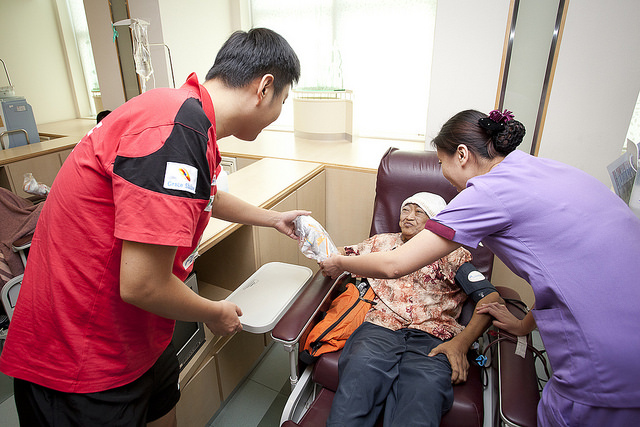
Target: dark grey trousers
384	369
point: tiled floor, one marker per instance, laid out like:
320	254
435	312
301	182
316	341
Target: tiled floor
258	401
8	414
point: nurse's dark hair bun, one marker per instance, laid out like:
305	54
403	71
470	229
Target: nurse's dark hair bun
506	133
506	141
497	134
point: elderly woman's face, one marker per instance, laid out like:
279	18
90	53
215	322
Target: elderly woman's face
412	220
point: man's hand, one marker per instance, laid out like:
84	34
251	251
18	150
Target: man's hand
284	223
457	358
228	321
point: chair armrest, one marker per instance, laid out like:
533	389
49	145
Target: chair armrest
517	378
315	297
508	292
22	243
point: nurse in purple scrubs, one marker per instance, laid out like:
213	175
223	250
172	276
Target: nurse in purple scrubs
565	233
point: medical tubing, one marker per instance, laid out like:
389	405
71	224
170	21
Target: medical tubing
505	336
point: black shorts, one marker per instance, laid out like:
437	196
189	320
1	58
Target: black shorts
146	399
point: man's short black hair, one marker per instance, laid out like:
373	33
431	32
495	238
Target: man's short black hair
101	115
246	56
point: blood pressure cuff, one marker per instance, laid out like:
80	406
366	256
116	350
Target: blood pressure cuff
473	283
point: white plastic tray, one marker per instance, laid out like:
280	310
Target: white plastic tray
268	293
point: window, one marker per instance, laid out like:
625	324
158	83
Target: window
634	128
83	43
380	49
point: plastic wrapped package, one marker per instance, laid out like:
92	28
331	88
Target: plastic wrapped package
314	242
32	186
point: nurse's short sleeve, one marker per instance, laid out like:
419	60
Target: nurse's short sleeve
472	215
160	195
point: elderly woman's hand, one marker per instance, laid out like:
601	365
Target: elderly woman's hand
331	266
456	353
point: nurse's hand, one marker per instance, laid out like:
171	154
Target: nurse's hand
331	266
227	321
457	356
504	320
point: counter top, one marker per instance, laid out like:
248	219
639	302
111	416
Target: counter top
64	135
29	151
74	127
362	153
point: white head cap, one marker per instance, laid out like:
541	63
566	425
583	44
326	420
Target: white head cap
428	202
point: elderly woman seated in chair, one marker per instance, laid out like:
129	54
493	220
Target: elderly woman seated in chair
410	349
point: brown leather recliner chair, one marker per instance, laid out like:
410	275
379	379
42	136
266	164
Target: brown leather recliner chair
400	175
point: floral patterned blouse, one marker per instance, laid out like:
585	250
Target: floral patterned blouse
427	299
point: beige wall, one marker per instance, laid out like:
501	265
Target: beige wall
466	59
31	46
149	11
195	33
596	84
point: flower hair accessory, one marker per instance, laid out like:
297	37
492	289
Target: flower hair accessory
495	122
499	117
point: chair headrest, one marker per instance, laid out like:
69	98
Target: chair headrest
401	174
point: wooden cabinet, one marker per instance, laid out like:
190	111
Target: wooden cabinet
274	246
242	162
44	170
236	356
312	197
216	369
64	154
230	262
200	396
350	197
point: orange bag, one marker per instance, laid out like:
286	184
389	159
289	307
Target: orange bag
345	314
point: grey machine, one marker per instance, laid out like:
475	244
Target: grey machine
17	123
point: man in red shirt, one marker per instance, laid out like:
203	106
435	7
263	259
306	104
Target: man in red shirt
89	342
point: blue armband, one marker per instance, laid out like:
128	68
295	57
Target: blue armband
473	283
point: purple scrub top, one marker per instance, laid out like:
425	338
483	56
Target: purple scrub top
578	245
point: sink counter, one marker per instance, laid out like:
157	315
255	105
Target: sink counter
362	153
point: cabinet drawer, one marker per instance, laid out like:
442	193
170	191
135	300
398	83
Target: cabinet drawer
236	357
200	397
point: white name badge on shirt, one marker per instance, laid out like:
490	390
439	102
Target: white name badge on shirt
178	176
190	259
208	207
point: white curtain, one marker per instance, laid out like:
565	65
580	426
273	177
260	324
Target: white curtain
380	49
